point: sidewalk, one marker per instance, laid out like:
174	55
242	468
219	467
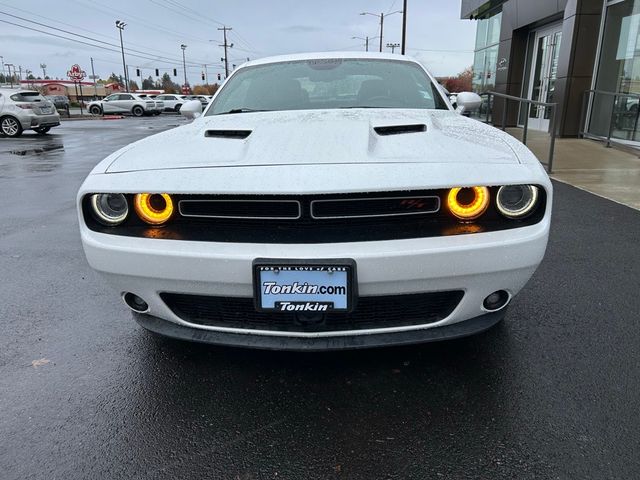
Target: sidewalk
587	164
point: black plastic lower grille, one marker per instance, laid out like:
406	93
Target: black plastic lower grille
371	312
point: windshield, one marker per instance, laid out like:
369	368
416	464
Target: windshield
328	84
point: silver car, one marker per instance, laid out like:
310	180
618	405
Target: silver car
26	110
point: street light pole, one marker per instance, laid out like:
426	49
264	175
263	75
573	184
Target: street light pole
120	26
184	63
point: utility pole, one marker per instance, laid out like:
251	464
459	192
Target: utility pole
20	74
381	30
381	17
393	46
120	26
184	63
9	65
206	74
404	29
93	76
43	66
224	30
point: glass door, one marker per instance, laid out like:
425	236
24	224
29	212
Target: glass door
544	73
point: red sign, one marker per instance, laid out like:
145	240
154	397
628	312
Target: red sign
186	89
76	73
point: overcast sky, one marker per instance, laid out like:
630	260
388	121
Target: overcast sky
157	28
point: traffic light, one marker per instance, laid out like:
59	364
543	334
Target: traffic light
157	72
219	77
175	72
203	76
137	72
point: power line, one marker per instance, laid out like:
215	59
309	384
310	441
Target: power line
84	36
142	22
75	27
85	43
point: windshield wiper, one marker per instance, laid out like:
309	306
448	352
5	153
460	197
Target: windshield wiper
241	110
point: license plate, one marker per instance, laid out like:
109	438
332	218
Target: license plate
45	110
304	286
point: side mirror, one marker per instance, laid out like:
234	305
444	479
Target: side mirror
468	101
191	109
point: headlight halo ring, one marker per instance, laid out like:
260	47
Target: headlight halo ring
100	213
472	210
151	214
524	211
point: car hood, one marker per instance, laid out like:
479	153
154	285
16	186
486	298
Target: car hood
319	137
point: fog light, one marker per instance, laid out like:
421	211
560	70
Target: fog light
496	301
110	209
468	203
154	208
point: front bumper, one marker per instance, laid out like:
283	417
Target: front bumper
477	264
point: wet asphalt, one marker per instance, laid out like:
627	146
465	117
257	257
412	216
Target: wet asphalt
552	393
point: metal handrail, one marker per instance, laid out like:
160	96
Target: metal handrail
586	102
521	100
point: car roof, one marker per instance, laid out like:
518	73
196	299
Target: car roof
330	55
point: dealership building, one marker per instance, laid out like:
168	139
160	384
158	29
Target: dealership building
556	51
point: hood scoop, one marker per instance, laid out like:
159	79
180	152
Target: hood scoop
235	134
400	129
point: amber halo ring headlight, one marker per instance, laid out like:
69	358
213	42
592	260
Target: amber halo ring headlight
468	203
153	208
517	201
109	209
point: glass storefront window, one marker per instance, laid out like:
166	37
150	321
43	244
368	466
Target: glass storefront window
486	53
618	72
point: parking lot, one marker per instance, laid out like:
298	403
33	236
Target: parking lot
551	393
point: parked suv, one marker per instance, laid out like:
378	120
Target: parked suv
172	102
61	102
26	110
123	103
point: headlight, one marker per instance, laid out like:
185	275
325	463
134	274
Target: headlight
110	208
468	203
517	201
153	208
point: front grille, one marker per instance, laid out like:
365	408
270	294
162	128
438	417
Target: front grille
241	209
374	207
370	313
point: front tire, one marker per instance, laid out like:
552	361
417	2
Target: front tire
42	130
10	127
137	111
95	110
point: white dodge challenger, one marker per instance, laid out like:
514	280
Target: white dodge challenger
322	201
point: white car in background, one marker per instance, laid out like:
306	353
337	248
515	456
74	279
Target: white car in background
129	103
323	201
26	110
159	104
172	102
